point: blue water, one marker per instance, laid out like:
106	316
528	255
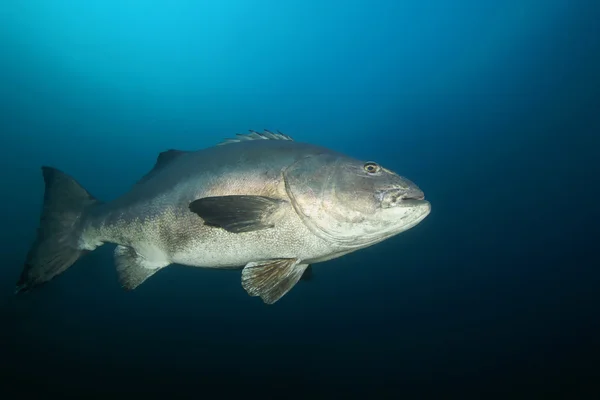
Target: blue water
490	107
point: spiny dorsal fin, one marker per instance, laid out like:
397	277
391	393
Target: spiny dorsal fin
163	159
253	135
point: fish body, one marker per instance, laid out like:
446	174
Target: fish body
261	202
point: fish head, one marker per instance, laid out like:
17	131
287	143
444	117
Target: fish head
353	203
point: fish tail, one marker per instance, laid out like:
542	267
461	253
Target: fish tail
56	246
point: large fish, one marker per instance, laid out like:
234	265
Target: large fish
260	201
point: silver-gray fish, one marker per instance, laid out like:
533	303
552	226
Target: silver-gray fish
260	202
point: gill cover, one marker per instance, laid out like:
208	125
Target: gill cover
334	199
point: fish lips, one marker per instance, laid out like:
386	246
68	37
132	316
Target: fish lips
411	197
413	203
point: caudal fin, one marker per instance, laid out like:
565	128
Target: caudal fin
56	246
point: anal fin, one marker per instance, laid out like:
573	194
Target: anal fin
132	268
272	279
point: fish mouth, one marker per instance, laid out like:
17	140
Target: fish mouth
412	202
410	197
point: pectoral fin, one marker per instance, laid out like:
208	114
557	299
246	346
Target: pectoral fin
271	279
238	214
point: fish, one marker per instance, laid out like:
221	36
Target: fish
260	202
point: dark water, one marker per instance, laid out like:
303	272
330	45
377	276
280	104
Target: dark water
490	107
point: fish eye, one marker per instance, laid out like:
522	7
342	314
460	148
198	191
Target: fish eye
372	167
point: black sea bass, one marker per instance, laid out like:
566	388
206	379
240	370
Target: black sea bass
261	202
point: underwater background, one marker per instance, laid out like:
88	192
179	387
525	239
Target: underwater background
491	107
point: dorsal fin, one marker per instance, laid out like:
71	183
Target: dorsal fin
167	156
163	159
253	135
